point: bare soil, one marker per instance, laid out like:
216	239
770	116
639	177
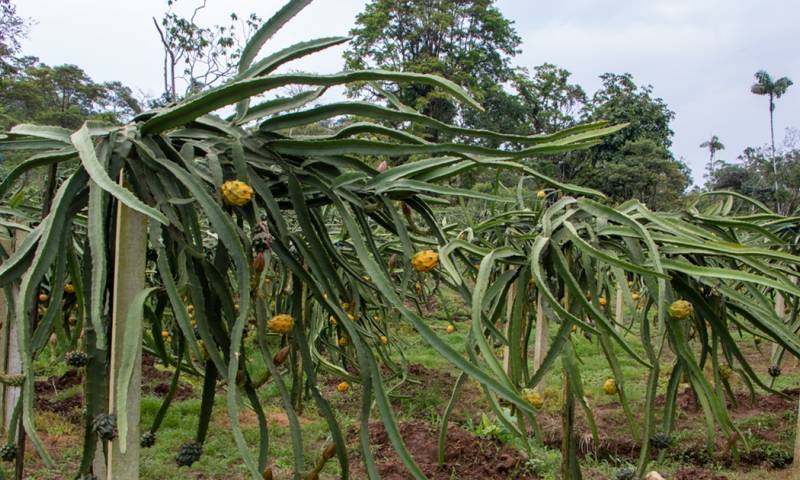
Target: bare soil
466	456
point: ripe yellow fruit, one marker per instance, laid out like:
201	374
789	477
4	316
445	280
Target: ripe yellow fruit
574	329
190	309
384	339
165	333
533	397
425	261
69	288
342	341
451	328
610	387
332	320
602	301
680	310
541	194
635	296
43	297
282	323
343	387
236	193
630	284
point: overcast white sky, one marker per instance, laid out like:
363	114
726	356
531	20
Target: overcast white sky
700	55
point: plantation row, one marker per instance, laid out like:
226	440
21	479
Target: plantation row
223	246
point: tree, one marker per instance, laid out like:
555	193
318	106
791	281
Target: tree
470	43
620	100
12	29
642	170
195	56
63	95
753	174
550	101
713	145
772	89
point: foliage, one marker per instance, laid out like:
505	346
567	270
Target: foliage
469	43
772	89
642	170
753	174
12	29
620	100
315	241
196	56
713	145
63	95
323	242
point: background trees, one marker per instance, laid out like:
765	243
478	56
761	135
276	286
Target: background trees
713	145
197	56
470	43
772	89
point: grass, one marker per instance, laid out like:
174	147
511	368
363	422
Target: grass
417	399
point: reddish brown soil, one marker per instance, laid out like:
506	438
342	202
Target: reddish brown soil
615	441
156	382
55	384
466	456
697	474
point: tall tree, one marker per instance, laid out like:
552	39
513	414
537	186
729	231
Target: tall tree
12	29
621	100
468	42
772	89
551	101
642	169
196	56
713	145
63	95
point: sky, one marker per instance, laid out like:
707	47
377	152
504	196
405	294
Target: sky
699	55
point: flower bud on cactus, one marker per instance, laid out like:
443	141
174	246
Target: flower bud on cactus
76	359
189	453
8	453
148	440
105	426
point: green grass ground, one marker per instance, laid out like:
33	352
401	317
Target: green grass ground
422	399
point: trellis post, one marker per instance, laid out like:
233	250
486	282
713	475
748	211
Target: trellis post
129	280
619	309
10	361
540	342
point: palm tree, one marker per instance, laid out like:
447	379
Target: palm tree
774	89
713	145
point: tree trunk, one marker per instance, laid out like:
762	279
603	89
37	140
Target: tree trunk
772	143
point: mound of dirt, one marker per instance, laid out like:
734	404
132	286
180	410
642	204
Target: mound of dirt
697	474
156	382
55	384
466	456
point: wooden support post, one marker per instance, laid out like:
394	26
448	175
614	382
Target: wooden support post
796	463
619	310
540	342
10	361
129	280
509	314
780	311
